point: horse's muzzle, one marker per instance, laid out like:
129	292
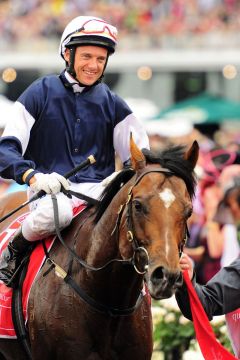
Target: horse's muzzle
163	283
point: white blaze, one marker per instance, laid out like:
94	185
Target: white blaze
167	197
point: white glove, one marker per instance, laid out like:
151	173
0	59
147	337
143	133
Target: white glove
50	183
108	179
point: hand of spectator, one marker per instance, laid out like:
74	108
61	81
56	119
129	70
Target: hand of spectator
50	183
186	263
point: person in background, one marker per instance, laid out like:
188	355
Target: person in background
220	296
228	213
57	123
207	247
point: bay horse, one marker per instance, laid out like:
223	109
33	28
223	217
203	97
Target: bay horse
127	250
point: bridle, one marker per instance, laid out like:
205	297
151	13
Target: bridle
138	251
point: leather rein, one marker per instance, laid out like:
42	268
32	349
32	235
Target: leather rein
138	251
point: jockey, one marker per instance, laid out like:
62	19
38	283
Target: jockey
56	123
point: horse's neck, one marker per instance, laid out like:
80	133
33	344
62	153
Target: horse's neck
119	283
103	245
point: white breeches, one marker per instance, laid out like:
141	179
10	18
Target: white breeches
40	222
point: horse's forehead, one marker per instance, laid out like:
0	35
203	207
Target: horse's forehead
167	196
159	181
169	189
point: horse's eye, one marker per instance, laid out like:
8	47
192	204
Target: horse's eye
137	205
188	212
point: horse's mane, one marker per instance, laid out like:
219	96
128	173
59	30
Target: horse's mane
111	190
171	158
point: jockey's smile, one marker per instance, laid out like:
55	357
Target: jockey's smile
89	63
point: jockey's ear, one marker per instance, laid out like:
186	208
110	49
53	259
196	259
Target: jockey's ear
137	158
192	154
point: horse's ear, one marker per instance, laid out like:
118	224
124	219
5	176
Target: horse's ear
192	154
137	158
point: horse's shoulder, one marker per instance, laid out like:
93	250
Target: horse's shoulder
85	217
82	222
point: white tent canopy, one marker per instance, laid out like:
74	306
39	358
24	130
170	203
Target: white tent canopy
169	127
144	109
5	108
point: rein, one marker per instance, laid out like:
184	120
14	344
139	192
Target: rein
138	252
72	252
107	310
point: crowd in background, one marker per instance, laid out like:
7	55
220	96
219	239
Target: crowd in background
214	227
170	23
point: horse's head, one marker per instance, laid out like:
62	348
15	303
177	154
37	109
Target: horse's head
157	209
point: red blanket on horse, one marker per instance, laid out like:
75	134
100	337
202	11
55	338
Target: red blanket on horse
36	260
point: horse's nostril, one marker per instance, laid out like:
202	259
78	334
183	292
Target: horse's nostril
174	279
158	274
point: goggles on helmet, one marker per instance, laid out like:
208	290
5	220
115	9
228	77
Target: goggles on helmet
90	31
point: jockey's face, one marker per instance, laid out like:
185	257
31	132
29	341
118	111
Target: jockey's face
89	63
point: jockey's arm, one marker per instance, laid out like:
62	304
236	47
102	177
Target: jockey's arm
121	136
13	144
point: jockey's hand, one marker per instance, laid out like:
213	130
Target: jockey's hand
50	183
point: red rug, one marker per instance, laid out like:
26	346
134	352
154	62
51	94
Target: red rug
36	260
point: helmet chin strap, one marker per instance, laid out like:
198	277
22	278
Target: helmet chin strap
70	68
70	65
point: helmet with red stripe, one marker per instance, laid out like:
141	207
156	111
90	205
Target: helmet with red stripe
88	30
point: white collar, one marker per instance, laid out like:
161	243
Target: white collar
75	85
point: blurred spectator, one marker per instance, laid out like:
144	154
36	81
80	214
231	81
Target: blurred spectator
228	213
207	244
204	6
